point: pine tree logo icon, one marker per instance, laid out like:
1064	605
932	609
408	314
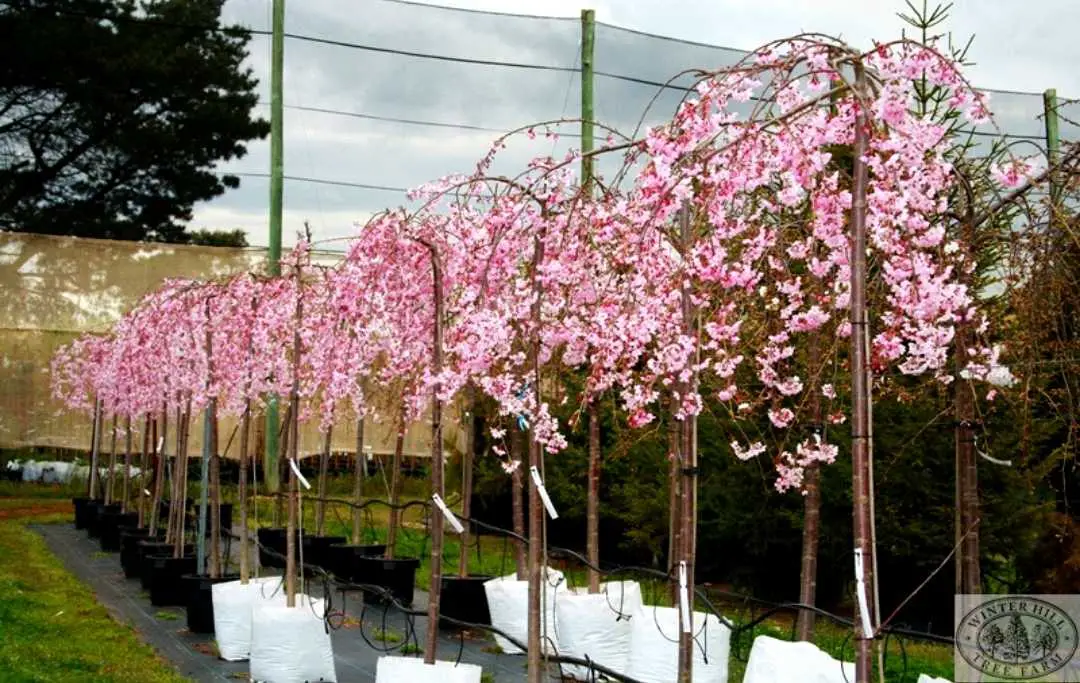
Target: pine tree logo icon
1017	638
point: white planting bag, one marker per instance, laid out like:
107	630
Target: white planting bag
925	678
508	604
799	662
654	647
413	670
290	644
232	614
31	471
597	626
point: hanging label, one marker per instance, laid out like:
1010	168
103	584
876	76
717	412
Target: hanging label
448	513
860	595
160	443
296	471
684	600
543	493
146	492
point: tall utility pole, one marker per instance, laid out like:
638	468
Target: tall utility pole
592	498
271	475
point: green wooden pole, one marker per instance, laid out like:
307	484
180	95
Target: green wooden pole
1053	145
588	40
271	475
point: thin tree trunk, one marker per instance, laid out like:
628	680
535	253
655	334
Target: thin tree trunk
860	422
968	502
95	439
148	438
467	482
688	445
215	494
438	487
174	484
536	569
395	490
324	466
358	482
674	500
182	464
592	500
291	525
811	506
517	451
110	486
125	490
160	463
242	493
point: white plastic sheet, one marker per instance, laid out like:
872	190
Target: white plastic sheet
508	603
597	626
654	647
413	670
773	660
31	471
926	678
290	644
232	614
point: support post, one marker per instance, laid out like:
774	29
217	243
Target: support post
860	418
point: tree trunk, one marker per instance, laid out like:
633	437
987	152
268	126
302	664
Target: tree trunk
160	463
110	485
860	422
284	440
148	438
242	494
674	502
358	482
437	486
592	501
174	483
517	451
95	449
125	489
536	464
811	505
467	482
968	500
395	490
324	466
215	494
291	525
182	464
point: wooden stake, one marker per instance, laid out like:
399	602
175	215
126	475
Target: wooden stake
242	494
358	482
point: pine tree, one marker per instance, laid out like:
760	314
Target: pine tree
1017	646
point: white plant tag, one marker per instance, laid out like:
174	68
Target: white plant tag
684	600
543	493
160	444
448	513
860	594
296	471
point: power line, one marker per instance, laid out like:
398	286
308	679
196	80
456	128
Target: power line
317	181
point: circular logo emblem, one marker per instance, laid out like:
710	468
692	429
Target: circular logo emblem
1017	638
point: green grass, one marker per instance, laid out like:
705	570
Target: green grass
167	616
51	628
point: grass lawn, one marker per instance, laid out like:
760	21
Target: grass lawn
51	627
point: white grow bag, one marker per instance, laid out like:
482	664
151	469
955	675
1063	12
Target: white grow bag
926	678
232	614
508	604
413	670
290	644
597	626
781	661
654	647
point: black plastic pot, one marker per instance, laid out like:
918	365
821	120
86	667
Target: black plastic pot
200	600
317	550
463	598
166	588
397	575
272	539
148	550
82	511
110	524
341	558
129	549
95	511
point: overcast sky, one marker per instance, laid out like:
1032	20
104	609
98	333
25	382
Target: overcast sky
1019	46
